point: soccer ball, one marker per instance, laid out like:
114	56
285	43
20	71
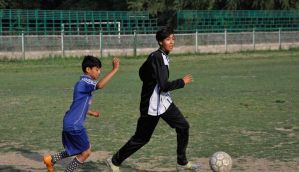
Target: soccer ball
220	162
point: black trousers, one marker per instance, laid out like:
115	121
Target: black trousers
145	127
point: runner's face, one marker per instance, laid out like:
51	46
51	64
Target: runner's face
168	43
94	72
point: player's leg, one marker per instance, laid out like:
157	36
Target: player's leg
76	143
50	160
175	119
58	156
145	127
78	160
84	155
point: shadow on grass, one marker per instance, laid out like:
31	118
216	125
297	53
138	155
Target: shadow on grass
100	166
60	165
89	166
93	167
30	154
7	168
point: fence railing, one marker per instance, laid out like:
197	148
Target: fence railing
27	46
48	22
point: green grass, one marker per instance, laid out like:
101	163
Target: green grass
246	104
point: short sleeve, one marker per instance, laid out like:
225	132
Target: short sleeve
87	85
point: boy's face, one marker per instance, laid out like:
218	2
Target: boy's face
93	72
168	43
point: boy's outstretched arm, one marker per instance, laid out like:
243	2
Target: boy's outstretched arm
102	83
93	113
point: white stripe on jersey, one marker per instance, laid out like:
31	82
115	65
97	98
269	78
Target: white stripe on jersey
89	81
165	60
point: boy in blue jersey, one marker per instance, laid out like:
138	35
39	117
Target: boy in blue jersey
74	136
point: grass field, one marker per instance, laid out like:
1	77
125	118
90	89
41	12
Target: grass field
246	104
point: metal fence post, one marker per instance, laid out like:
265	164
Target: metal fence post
196	41
279	39
23	45
135	43
62	40
101	46
253	38
225	39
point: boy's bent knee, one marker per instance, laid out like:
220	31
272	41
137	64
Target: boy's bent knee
184	126
84	155
87	153
187	126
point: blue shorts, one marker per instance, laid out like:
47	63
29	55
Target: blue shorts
75	142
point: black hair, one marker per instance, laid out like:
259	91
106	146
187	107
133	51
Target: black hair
90	61
163	33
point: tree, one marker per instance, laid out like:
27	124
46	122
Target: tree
263	4
232	4
19	4
289	4
155	7
275	4
164	10
152	6
236	4
3	4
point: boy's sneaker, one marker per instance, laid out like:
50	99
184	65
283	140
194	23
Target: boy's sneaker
48	162
113	168
189	166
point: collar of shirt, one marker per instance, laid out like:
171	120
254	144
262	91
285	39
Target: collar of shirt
85	76
165	57
160	49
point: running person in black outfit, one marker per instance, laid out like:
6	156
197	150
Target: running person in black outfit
157	103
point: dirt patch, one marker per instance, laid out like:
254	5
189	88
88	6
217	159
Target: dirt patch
32	161
263	165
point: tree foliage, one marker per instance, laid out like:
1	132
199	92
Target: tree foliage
153	6
164	10
64	4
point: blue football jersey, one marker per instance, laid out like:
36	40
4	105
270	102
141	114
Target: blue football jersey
74	118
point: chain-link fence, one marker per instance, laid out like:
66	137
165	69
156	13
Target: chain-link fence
27	46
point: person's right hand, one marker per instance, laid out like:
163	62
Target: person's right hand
115	63
187	79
